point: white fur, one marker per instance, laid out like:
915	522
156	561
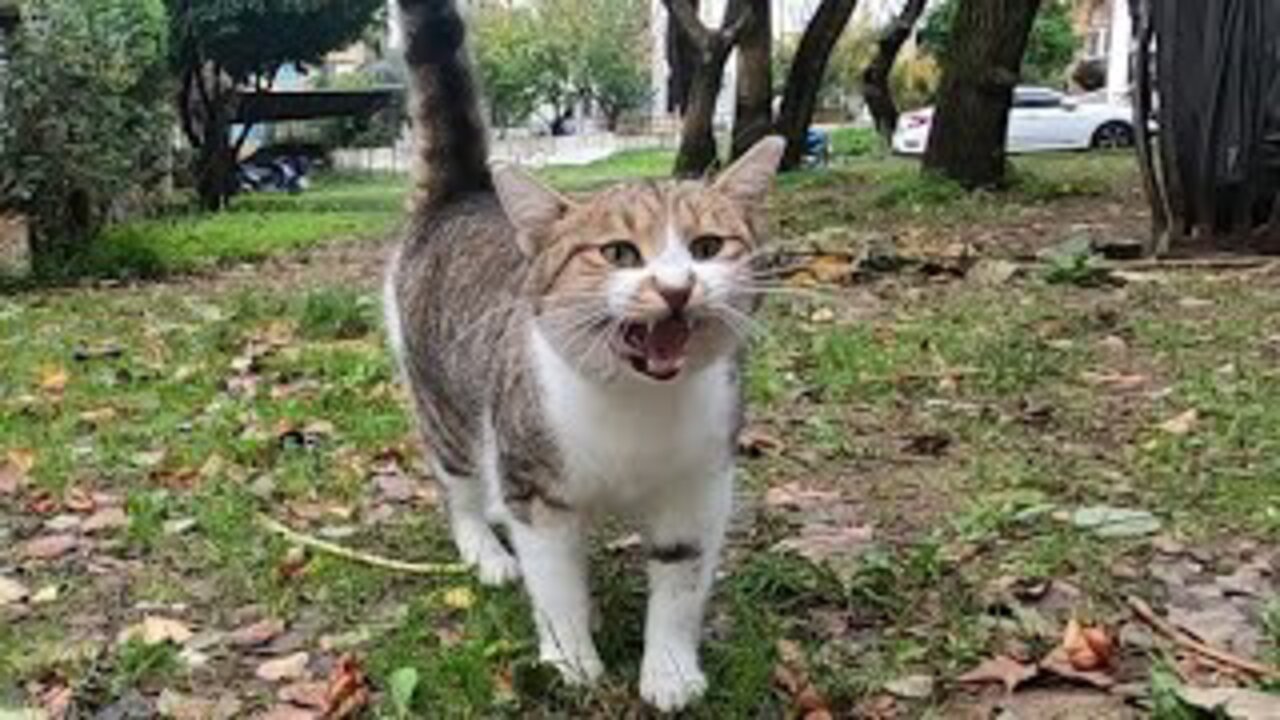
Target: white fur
391	311
660	452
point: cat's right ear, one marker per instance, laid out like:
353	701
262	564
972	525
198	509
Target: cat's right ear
532	207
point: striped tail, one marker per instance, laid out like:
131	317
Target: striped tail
449	135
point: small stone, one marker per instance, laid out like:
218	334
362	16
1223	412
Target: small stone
911	687
193	659
1136	636
1114	344
1166	545
289	667
46	594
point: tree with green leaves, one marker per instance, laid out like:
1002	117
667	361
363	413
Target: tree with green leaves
1051	46
85	118
220	47
552	55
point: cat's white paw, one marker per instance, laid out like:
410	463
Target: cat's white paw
481	549
669	682
577	669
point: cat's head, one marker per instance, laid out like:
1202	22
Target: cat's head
650	279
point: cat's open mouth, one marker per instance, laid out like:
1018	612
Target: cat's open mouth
656	349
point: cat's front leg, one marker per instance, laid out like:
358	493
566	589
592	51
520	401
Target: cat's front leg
685	534
553	561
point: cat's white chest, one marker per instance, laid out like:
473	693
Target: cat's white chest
623	442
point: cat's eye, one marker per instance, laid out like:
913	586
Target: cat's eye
621	253
706	247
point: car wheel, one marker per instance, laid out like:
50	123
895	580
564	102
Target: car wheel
1112	135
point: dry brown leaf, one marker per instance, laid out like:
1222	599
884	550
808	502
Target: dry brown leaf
259	633
755	441
793	495
348	690
78	500
1000	669
53	380
1182	424
1059	663
1120	382
155	629
110	518
49	547
12	591
289	712
289	667
314	695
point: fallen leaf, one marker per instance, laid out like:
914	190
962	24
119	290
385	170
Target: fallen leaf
110	518
149	459
21	459
45	595
49	547
820	542
155	629
1119	382
1059	663
1113	522
911	687
348	690
992	272
1000	669
12	592
822	316
793	495
757	442
1087	648
1182	424
12	478
259	633
459	598
53	380
178	706
314	695
289	712
289	667
1234	703
100	416
78	500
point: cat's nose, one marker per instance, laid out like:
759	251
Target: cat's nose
676	297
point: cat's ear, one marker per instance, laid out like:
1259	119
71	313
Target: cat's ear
748	179
530	205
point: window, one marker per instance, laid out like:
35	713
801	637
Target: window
1036	99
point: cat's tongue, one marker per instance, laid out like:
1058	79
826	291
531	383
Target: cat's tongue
667	339
658	350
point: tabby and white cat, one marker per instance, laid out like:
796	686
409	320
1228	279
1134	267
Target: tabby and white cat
569	358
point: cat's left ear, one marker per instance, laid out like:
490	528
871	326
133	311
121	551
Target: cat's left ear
532	207
748	179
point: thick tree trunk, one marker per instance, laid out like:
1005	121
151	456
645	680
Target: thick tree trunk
753	107
967	140
697	151
875	79
205	110
805	77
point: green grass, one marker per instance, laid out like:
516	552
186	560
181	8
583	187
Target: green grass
231	386
627	165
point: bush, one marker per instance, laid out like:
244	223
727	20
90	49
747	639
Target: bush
914	81
85	127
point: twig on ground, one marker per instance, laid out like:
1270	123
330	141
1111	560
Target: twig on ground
1185	641
324	546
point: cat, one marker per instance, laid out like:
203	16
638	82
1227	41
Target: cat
573	357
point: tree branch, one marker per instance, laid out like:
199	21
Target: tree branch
687	20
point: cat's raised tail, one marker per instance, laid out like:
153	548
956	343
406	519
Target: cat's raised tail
448	132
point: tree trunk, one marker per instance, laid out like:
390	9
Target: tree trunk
967	140
875	79
753	109
697	151
682	58
805	77
204	108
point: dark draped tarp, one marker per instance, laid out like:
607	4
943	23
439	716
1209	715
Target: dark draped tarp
1216	94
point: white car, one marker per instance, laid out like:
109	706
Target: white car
1041	119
